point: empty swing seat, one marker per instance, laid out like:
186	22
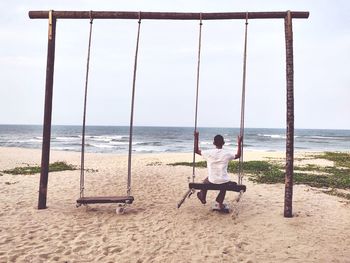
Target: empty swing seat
105	200
231	186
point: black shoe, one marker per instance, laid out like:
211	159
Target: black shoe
199	195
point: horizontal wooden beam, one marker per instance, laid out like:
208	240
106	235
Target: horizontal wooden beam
163	15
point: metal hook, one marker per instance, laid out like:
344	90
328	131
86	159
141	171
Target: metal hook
139	17
90	14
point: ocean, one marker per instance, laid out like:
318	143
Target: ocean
115	139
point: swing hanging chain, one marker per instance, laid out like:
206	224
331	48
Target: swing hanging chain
240	170
82	161
197	93
132	108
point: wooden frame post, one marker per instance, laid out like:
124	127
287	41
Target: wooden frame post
45	154
288	196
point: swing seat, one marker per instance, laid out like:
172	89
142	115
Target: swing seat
105	200
232	186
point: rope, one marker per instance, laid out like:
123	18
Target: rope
241	133
197	91
82	160
132	108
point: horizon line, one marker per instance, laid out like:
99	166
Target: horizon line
172	126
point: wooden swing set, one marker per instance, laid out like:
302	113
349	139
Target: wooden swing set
52	17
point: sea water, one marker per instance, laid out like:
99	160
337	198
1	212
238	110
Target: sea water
115	139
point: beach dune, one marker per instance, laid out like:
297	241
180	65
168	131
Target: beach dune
152	229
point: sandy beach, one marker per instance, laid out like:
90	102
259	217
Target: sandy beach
152	229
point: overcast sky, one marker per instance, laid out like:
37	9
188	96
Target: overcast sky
166	79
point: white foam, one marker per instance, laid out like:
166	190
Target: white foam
59	138
273	136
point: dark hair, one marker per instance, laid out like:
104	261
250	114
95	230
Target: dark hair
219	140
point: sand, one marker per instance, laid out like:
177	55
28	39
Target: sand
152	229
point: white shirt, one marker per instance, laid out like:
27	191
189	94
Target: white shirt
217	162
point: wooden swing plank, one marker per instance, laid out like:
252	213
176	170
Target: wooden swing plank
228	187
105	199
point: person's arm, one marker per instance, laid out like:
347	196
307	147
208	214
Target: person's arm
239	147
196	140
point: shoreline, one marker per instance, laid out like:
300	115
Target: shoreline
249	155
298	151
152	228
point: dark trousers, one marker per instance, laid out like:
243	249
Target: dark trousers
221	196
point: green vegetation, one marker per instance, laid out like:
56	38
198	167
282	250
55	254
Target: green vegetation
335	192
154	164
341	159
272	171
9	183
54	167
198	164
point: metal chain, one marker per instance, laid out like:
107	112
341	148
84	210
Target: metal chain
82	160
132	108
241	133
197	91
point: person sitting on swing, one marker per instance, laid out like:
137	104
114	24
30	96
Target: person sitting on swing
217	162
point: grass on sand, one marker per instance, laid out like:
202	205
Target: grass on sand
272	171
53	167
